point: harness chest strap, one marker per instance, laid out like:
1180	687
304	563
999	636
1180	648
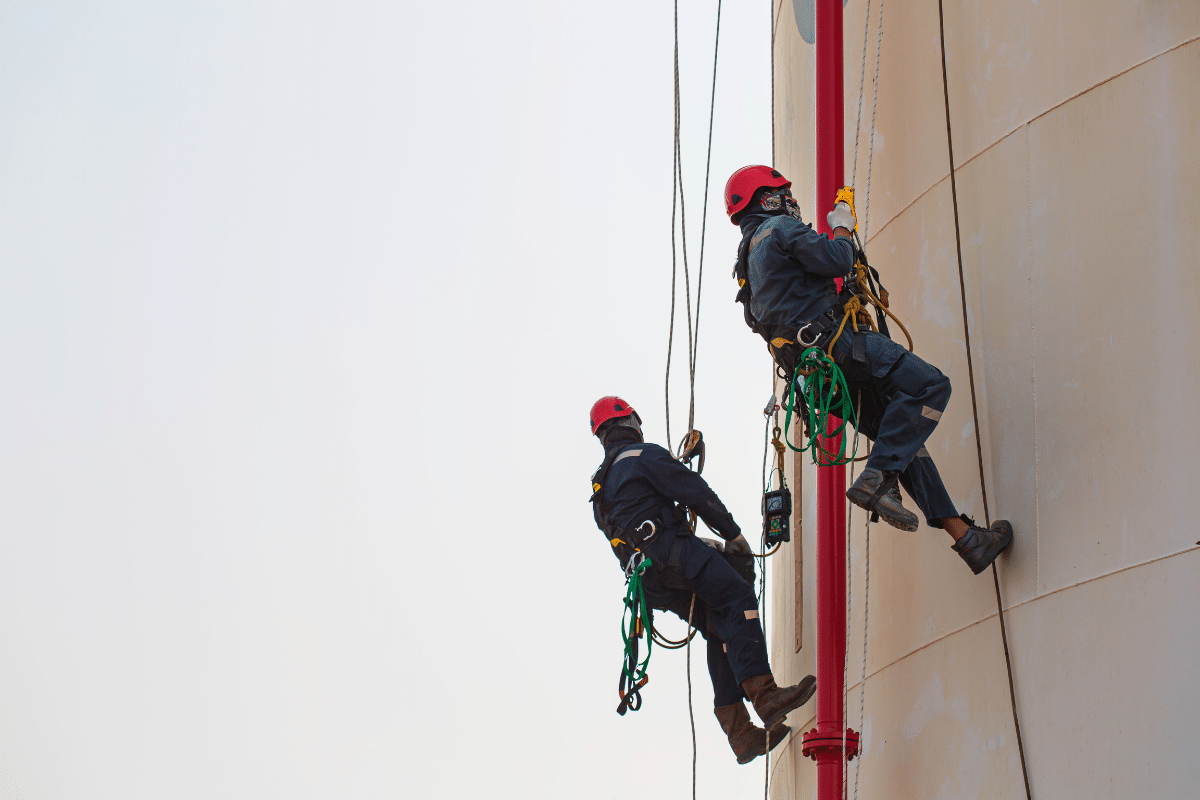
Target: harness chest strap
627	542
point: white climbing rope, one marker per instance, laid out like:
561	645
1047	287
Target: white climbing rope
849	506
862	682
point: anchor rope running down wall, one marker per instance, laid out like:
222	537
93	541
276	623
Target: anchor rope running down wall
862	682
962	284
849	615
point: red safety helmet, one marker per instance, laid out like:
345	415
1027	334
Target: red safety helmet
742	185
611	407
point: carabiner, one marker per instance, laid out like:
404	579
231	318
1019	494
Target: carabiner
800	336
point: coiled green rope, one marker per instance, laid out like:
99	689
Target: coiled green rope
823	393
635	620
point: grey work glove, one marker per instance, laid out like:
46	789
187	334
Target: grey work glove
842	217
738	546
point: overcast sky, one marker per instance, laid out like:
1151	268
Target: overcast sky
302	309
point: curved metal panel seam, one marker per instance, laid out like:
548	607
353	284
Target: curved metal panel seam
993	615
1025	124
1081	93
799	728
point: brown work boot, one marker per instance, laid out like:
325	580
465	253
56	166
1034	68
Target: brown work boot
747	739
773	703
980	546
877	492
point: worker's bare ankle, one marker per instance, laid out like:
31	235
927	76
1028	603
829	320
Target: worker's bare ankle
954	526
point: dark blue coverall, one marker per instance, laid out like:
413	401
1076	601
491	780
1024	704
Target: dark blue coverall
644	483
791	270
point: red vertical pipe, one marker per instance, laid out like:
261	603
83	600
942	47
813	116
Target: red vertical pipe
824	743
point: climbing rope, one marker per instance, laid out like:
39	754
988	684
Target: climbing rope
691	710
874	106
762	618
676	198
854	309
692	439
679	253
849	613
862	683
862	74
670	644
712	105
773	26
962	285
862	280
824	394
770	410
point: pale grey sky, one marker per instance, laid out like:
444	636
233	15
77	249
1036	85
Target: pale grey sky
302	309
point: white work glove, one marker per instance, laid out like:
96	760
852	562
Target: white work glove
737	546
842	217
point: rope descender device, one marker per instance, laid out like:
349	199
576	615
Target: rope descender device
690	448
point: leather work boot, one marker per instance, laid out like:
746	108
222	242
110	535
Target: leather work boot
888	504
773	703
980	546
747	739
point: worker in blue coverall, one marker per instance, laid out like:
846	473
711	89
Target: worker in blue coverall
639	498
791	300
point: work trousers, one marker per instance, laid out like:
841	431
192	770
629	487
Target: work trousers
902	399
725	611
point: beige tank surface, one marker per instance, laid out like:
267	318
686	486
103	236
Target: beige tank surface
1076	134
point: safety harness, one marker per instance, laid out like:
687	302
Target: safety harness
824	393
861	288
784	350
628	543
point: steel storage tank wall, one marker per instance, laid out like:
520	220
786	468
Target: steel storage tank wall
1075	129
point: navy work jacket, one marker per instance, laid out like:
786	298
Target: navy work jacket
791	269
645	482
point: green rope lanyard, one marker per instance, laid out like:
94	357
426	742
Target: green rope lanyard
824	392
636	608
